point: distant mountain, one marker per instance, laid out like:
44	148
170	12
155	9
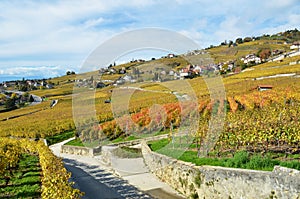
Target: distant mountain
13	78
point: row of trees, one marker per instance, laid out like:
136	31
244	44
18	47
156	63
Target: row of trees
289	35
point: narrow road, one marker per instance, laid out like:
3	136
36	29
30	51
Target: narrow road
95	179
94	176
93	189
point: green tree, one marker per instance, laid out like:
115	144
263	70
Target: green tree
10	103
239	41
247	39
31	99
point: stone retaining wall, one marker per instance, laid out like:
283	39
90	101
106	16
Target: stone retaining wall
220	182
85	151
78	150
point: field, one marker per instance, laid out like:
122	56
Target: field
240	93
223	53
232	116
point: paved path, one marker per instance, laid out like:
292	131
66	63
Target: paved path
95	179
123	178
87	183
98	183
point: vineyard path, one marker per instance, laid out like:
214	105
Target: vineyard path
118	180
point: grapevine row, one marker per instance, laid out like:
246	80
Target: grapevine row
55	178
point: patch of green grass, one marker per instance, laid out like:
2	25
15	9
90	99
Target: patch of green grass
79	142
291	164
24	180
156	145
75	142
60	137
241	159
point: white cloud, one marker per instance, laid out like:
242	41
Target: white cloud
93	22
42	71
65	32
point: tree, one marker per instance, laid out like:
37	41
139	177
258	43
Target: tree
31	99
264	53
247	39
24	88
10	103
239	41
230	43
224	43
70	73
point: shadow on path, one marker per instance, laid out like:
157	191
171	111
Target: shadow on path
99	184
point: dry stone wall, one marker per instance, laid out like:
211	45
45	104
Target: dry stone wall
220	182
78	150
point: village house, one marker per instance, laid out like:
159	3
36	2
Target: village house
264	87
197	70
295	46
277	52
251	58
184	73
122	70
49	86
171	73
112	71
119	81
36	84
171	55
9	84
163	72
127	78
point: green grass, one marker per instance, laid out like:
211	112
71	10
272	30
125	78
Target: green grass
60	137
78	142
241	159
156	145
75	142
123	139
24	181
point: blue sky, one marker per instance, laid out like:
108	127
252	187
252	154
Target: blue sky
47	38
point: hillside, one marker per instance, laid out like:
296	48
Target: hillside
169	90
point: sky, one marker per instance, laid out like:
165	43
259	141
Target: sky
46	38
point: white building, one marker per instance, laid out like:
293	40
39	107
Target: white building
251	58
295	46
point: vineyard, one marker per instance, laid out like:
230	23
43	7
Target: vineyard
156	108
245	120
54	177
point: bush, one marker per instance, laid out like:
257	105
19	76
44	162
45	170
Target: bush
259	162
240	159
10	103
